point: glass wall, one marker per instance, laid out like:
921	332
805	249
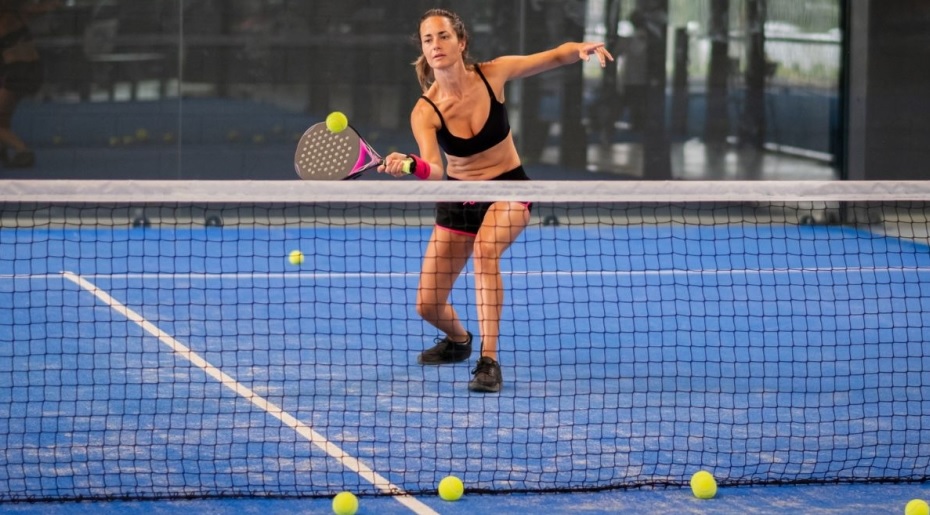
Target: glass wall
222	89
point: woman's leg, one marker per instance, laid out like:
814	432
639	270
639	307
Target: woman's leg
502	224
446	256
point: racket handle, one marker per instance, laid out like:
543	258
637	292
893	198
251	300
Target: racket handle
418	167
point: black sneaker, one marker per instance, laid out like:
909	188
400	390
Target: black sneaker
487	376
445	351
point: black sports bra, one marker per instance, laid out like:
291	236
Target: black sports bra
495	129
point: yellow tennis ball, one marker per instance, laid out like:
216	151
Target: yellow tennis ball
917	507
345	503
296	257
703	485
336	122
451	488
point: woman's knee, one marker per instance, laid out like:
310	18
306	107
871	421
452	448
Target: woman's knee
486	254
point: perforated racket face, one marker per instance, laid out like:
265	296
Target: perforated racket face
325	156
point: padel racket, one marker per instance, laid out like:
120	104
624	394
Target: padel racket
323	155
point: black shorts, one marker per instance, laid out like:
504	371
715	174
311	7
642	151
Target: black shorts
467	217
23	78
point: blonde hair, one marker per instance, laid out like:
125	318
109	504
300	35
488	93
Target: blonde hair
424	70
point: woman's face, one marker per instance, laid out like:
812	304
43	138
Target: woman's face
439	43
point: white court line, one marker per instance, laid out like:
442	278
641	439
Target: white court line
272	409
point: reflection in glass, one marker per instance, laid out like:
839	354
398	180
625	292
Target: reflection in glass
166	89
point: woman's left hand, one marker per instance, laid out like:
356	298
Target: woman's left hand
597	49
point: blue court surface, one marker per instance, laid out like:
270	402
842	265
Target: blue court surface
172	361
782	500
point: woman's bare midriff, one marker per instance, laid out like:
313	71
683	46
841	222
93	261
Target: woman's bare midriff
487	165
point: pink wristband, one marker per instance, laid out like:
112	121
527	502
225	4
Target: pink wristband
421	169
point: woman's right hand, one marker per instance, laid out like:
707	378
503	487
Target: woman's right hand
393	164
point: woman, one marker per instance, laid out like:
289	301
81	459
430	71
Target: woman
462	113
20	73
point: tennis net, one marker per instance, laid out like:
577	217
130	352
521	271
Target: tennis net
156	342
